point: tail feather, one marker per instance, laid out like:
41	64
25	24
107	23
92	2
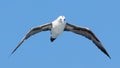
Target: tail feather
52	39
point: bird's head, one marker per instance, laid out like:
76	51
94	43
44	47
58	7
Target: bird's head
61	18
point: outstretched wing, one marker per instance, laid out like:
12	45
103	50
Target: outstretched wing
32	32
88	34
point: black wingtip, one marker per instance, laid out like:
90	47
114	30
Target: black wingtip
17	47
105	52
13	51
108	55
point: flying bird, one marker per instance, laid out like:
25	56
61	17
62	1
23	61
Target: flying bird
59	25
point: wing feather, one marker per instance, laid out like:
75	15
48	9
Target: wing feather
32	32
88	34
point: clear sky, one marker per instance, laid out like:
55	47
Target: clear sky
69	50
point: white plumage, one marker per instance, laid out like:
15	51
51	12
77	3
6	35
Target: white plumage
58	26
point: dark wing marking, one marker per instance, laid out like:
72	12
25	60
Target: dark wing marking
88	34
32	32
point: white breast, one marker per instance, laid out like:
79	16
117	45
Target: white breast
57	28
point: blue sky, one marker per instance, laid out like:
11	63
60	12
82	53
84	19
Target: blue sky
68	50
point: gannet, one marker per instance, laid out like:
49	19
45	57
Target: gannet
59	25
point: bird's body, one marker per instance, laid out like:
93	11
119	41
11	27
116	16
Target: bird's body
58	26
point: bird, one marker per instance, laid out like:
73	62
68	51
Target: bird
59	25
